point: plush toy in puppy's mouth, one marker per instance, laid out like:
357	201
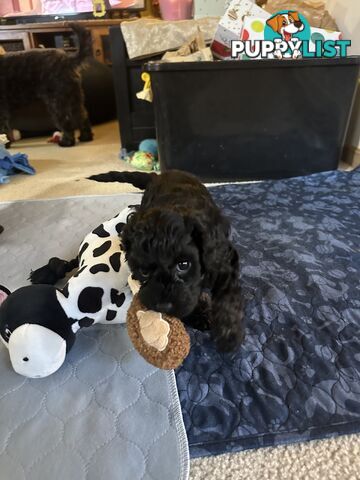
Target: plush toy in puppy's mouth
160	339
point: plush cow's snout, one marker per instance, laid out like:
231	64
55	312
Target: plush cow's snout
36	351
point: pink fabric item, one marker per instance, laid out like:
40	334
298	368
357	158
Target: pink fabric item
124	3
78	6
6	7
83	6
50	7
176	9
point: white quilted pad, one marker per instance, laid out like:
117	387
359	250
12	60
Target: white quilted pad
106	414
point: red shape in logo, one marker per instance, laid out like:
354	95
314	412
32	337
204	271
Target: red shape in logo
245	35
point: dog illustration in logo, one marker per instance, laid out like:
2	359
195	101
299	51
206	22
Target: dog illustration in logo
286	25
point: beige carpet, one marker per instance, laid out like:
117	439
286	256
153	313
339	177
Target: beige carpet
335	459
62	172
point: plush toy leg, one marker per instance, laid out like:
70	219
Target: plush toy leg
55	270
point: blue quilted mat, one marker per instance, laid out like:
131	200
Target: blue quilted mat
297	375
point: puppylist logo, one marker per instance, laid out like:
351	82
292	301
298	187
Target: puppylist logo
287	34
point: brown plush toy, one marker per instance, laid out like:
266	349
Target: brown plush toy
160	339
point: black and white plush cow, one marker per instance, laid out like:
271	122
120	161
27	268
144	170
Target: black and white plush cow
38	322
99	291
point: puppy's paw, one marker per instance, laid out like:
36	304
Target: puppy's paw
67	141
52	272
86	136
228	339
228	324
44	275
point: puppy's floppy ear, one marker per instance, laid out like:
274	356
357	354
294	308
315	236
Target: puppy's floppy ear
127	233
210	241
220	268
197	230
130	216
207	234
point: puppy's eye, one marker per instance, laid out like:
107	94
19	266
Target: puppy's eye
183	267
284	23
144	273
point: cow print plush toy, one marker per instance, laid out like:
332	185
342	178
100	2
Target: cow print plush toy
38	323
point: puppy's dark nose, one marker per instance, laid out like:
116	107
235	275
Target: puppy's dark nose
298	24
164	307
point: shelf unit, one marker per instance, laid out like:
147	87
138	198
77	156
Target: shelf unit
57	35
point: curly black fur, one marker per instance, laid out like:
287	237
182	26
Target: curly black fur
178	221
52	76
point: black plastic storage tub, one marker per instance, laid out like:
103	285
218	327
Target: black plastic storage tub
253	119
136	117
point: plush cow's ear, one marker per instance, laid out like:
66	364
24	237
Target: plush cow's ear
4	293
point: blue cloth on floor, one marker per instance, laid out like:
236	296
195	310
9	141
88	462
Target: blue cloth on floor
4	178
12	164
297	375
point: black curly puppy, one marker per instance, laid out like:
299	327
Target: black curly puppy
177	245
52	76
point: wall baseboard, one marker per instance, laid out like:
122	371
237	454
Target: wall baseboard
351	155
